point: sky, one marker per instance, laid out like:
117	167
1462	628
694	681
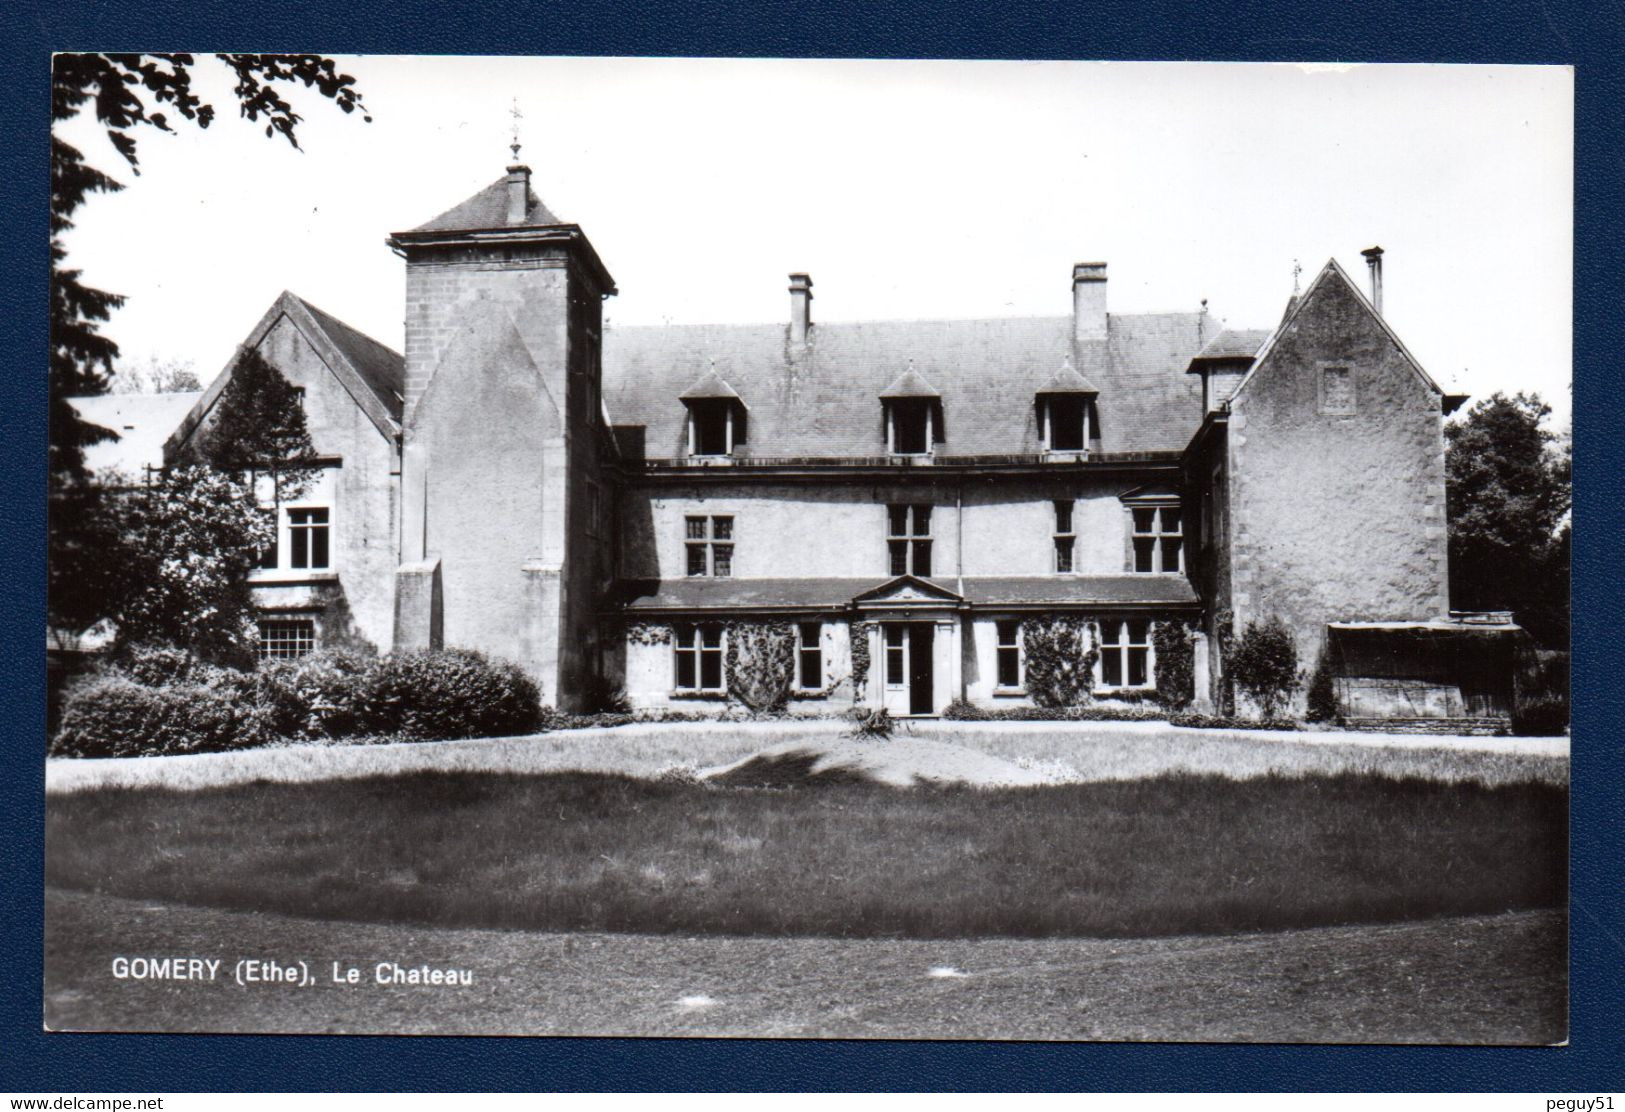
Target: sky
907	189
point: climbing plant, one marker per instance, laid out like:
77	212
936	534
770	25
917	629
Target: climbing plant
1175	673
1265	664
1061	657
760	663
648	633
858	632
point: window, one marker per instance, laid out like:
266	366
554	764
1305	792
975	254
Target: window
1009	654
1337	390
711	428
286	638
698	652
896	654
1066	422
809	656
913	426
908	539
1158	540
1125	654
307	538
1065	537
710	546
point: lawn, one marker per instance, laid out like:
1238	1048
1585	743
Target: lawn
1166	855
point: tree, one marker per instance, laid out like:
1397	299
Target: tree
1264	664
258	425
189	541
126	92
1507	502
154	375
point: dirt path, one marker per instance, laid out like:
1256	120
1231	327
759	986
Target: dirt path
1483	979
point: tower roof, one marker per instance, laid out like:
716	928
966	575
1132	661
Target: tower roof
489	209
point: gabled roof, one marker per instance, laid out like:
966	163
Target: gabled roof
373	374
702	594
1231	345
910	384
1068	381
1332	272
818	400
140	424
711	386
489	209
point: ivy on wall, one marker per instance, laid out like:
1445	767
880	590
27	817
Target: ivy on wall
1061	654
1224	633
858	632
648	633
760	663
1175	663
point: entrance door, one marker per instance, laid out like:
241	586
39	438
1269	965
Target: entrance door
920	694
910	686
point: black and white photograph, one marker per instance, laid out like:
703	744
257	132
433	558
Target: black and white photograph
817	549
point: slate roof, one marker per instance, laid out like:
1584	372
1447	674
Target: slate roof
142	421
1234	343
489	209
823	401
701	593
383	369
1068	381
711	386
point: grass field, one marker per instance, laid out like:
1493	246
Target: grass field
1061	752
1174	854
1496	979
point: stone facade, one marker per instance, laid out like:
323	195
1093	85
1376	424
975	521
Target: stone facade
617	509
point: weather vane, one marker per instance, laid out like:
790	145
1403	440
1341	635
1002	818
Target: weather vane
517	116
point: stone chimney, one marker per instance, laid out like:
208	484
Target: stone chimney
1373	262
800	307
518	193
1089	301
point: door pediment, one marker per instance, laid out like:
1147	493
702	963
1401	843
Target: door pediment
908	592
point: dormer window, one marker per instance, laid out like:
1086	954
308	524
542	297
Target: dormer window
913	415
1066	418
716	417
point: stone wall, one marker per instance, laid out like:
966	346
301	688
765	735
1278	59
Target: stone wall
1336	515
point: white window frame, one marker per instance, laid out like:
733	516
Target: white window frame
1115	638
1159	535
803	649
892	439
689	638
1047	420
302	535
728	431
268	648
910	538
1069	535
1000	648
708	542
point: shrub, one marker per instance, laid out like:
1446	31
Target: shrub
875	724
961	711
1322	693
112	715
1540	705
454	693
153	665
600	696
1175	663
1228	722
319	695
1264	664
1060	671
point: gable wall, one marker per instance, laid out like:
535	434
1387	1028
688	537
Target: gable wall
1336	517
361	492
